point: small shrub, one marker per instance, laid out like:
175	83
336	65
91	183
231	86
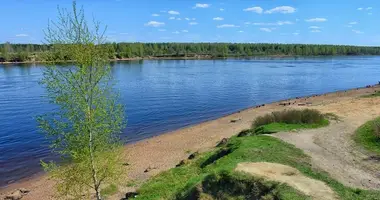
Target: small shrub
306	116
235	185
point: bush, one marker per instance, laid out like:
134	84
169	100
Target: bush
231	185
306	116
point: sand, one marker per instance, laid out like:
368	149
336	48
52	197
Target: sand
163	152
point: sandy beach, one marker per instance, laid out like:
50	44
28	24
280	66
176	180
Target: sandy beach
151	156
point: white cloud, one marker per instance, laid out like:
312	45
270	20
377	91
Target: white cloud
162	30
193	23
155	24
185	31
187	19
314	27
155	15
247	23
202	5
267	29
315	31
258	10
241	31
218	18
360	8
349	26
222	9
316	20
296	33
357	31
172	12
172	18
22	35
163	11
227	26
175	32
281	9
179	19
353	23
369	13
284	23
279	23
369	8
193	19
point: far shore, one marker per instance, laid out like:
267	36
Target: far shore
206	57
151	156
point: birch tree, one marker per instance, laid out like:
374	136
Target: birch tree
85	128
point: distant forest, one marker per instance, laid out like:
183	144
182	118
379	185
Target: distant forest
37	52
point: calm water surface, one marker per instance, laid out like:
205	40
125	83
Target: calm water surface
161	96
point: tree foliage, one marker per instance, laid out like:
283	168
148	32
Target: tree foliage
213	50
85	129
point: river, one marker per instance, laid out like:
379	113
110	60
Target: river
164	95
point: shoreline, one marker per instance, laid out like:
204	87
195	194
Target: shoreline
154	154
208	57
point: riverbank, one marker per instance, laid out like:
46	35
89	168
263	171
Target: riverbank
197	57
154	155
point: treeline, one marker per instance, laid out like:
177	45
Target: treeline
36	52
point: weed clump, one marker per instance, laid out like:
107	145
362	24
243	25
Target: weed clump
306	116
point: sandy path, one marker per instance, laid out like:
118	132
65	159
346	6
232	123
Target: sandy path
165	151
332	148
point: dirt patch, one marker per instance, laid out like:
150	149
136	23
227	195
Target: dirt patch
291	176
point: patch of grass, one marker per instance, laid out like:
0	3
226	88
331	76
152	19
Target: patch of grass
278	127
178	181
109	190
368	136
305	116
375	94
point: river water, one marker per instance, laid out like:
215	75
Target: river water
164	95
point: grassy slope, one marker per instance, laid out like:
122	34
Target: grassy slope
364	137
247	149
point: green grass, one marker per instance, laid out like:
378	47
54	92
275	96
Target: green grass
376	94
177	181
291	116
278	127
365	136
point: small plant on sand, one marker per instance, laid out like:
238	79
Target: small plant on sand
85	128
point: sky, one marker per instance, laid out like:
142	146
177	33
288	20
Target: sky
349	22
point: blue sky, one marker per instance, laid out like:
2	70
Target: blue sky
266	21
